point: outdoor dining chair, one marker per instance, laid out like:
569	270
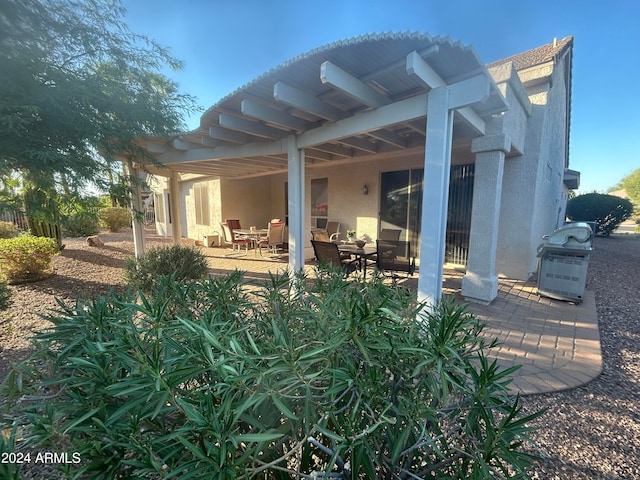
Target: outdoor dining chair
389	234
394	256
230	239
333	229
274	238
327	254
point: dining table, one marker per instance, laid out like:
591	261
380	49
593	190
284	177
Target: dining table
253	234
363	254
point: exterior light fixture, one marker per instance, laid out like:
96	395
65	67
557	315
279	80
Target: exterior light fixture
365	190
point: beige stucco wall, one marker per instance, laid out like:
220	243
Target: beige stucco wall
533	195
190	229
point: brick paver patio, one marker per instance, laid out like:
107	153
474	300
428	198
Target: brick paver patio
556	342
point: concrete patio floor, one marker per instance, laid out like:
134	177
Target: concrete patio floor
556	342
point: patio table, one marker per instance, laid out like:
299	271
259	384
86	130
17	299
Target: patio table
253	235
362	254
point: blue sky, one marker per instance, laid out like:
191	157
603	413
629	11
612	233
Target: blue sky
225	44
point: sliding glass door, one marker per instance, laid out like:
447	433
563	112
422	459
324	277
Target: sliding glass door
401	204
401	208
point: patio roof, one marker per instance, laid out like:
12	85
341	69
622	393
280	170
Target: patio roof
349	99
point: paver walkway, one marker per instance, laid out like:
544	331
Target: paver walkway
556	342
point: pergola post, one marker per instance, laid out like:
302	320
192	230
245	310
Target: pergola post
480	283
296	205
136	208
435	197
174	206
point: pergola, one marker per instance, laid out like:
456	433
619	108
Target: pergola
370	95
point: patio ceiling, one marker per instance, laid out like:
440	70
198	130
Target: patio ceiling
347	100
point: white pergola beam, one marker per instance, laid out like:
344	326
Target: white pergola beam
271	115
156	148
226	151
337	150
360	144
389	137
179	144
342	80
395	113
247	126
227	135
419	68
469	91
315	154
427	52
297	98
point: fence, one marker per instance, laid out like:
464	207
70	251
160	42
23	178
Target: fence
16	217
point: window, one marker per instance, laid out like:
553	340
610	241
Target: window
201	196
319	202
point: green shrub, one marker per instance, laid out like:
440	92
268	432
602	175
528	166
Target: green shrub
608	211
8	230
26	257
286	379
183	263
81	224
5	295
115	218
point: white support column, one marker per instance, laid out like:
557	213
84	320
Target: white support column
480	283
296	205
174	205
435	197
136	209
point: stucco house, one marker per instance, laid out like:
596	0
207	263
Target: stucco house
403	130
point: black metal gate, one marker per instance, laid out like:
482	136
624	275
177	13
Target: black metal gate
459	214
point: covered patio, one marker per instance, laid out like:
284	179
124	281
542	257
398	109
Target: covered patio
373	98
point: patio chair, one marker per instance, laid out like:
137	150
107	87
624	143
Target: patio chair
274	238
389	234
395	256
229	238
321	235
333	229
327	254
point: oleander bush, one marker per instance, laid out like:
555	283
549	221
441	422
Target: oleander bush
81	224
26	258
182	262
114	218
220	379
8	230
608	211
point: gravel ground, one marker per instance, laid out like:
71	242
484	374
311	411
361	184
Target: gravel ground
591	432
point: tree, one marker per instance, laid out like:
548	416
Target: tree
631	183
77	88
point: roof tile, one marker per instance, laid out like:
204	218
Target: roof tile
537	56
